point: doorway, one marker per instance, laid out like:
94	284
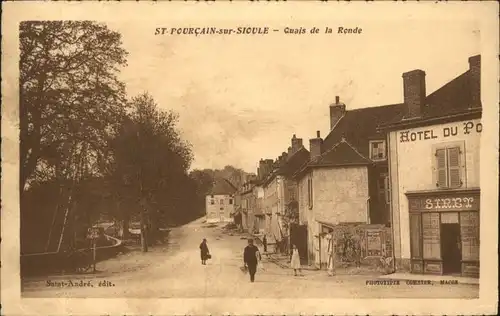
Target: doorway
298	237
451	248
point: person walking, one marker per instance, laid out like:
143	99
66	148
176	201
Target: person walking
204	252
251	255
264	243
295	262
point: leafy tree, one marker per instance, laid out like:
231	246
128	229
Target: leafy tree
71	101
70	96
149	162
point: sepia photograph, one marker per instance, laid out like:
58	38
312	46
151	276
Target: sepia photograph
182	156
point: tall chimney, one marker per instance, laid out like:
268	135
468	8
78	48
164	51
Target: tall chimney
414	93
337	110
475	80
296	143
315	147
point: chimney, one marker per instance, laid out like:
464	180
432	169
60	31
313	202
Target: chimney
315	147
262	169
284	157
268	167
289	151
475	80
337	110
296	143
414	93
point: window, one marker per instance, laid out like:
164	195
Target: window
212	202
377	150
469	232
431	236
309	192
448	171
230	201
221	202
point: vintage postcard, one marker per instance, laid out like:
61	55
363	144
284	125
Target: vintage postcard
249	158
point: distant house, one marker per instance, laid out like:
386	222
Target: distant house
434	169
345	180
220	202
251	194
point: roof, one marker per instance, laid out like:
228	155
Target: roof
453	97
348	143
341	154
451	100
361	125
292	164
222	186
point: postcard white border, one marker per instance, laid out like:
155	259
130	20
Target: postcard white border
12	12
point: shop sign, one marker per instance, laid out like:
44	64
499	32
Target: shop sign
445	132
445	203
93	233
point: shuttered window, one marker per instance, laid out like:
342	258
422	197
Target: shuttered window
454	167
448	167
442	174
309	193
387	190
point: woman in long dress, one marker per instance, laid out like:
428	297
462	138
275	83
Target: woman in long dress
204	252
295	262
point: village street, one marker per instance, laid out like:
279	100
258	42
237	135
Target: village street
175	271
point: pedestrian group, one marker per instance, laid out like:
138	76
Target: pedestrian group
252	257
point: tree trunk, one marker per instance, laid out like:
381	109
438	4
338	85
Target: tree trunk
125	228
144	235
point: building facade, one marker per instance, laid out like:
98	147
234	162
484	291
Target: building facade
258	209
220	201
280	195
434	172
346	181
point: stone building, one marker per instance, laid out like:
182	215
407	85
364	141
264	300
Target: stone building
434	172
346	179
219	202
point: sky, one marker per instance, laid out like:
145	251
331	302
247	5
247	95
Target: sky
240	98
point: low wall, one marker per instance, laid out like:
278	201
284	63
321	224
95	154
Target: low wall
46	263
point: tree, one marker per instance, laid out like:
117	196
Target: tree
70	96
148	162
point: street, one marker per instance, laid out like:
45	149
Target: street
175	270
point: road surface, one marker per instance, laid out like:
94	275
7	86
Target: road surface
175	270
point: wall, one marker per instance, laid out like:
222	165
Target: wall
304	214
274	204
410	174
290	190
219	212
258	193
339	196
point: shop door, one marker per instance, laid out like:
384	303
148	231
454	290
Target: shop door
451	248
